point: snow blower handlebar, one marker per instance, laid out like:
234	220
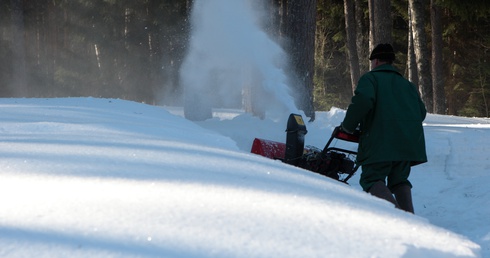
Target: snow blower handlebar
339	133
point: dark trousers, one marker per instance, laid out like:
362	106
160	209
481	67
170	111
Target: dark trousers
397	172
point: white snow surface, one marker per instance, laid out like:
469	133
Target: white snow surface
89	177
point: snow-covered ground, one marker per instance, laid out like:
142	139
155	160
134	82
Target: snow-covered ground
87	177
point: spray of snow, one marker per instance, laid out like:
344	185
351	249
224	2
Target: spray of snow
230	56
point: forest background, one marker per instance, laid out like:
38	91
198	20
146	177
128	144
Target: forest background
134	49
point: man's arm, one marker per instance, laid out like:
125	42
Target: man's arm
361	103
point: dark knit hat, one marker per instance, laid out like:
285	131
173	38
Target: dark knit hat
383	52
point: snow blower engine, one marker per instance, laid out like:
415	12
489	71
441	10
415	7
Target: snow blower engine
336	163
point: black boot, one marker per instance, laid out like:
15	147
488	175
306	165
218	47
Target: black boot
380	190
403	194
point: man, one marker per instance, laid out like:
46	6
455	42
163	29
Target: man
389	111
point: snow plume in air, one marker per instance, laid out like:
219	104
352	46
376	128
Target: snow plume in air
231	57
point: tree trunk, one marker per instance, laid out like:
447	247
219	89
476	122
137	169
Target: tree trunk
301	30
350	30
411	62
421	53
19	69
437	70
51	43
372	25
283	14
361	39
380	23
383	22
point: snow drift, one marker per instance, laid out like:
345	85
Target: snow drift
84	177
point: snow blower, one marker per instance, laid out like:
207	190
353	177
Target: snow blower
336	163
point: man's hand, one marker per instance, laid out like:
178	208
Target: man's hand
342	129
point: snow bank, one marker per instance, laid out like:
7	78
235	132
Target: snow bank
96	177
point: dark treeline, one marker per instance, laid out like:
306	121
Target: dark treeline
117	49
133	49
465	47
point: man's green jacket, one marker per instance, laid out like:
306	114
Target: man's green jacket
390	112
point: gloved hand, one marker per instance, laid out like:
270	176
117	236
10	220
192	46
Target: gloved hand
338	129
341	133
341	128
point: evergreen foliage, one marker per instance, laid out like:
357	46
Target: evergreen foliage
133	50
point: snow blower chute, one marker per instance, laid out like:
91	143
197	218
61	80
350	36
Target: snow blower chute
336	163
